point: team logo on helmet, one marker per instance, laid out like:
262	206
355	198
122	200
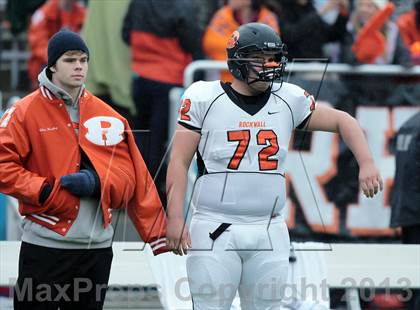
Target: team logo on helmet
234	37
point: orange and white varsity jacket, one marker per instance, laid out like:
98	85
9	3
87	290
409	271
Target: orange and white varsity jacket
38	145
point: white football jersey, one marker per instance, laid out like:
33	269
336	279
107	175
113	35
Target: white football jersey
242	155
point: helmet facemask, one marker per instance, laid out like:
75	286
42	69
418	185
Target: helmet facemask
252	62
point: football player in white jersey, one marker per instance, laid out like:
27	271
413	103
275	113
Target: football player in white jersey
240	132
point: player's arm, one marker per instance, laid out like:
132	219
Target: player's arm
325	118
183	149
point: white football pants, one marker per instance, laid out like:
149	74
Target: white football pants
251	258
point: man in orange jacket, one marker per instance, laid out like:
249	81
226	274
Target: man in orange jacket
53	16
69	159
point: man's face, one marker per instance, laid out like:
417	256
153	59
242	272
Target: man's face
70	70
262	62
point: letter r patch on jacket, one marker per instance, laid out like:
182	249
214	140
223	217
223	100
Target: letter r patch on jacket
104	130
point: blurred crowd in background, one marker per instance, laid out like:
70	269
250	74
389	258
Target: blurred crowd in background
140	48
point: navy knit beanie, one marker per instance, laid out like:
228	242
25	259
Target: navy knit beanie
64	41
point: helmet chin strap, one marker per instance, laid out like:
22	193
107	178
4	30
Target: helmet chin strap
257	90
250	81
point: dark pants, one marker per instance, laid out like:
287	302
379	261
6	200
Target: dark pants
59	278
411	235
152	102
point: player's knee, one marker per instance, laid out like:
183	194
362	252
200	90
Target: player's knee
210	285
267	291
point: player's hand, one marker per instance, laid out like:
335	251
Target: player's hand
177	236
370	179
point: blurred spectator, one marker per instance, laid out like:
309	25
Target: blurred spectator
165	37
406	190
19	12
303	28
109	76
47	20
372	37
409	25
227	19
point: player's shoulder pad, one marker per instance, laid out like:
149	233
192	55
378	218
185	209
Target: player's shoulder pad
203	91
295	96
289	91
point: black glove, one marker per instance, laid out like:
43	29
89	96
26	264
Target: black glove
84	183
45	193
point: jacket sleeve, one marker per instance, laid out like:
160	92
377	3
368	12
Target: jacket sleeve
15	180
269	18
188	29
145	208
215	38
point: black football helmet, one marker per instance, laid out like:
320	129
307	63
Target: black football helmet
247	43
